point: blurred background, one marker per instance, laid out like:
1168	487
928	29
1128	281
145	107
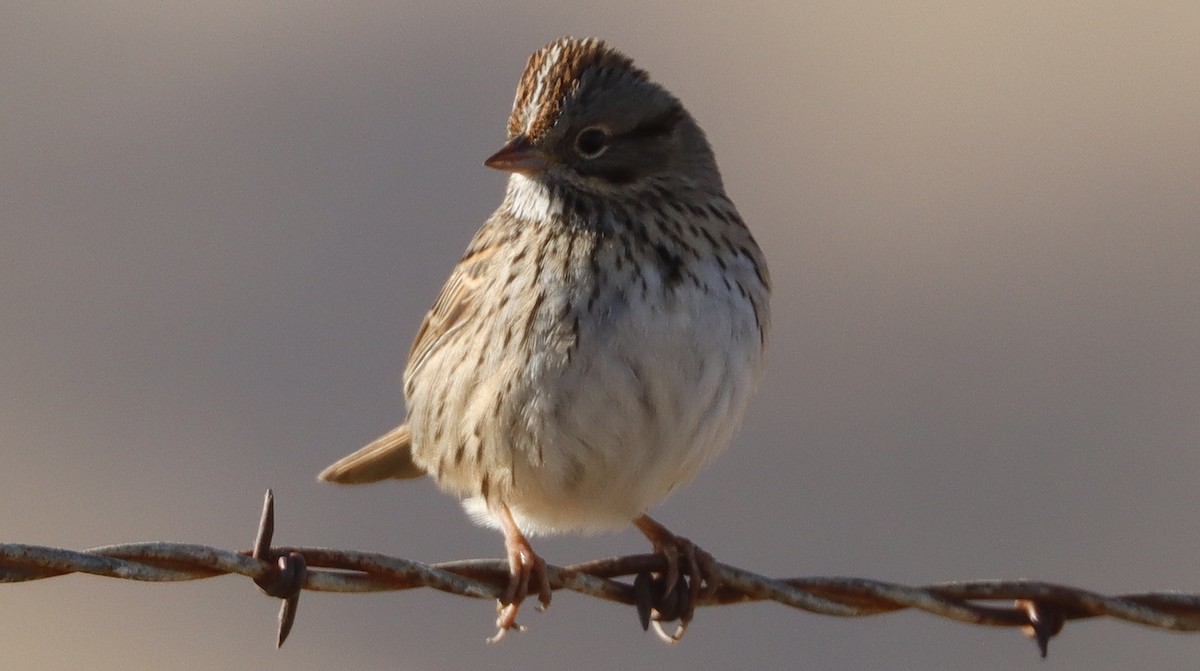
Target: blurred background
223	222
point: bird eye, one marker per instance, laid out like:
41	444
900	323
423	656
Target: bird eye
591	142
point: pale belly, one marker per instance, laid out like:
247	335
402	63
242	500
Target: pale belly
643	404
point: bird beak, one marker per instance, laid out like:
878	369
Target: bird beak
518	155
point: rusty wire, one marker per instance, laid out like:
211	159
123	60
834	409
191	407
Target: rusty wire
1039	609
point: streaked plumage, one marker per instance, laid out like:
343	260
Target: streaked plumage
599	340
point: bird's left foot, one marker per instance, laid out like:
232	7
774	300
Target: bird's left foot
673	595
524	566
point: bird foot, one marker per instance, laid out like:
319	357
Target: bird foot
673	595
524	566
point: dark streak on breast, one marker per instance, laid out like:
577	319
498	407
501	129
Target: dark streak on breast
670	265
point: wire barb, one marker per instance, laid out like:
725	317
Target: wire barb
284	578
1038	609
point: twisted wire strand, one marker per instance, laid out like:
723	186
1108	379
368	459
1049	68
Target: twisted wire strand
1040	609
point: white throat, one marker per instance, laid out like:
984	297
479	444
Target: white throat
529	199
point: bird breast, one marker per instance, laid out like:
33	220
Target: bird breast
614	366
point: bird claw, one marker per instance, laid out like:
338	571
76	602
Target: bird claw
673	594
656	604
516	592
524	566
670	639
506	621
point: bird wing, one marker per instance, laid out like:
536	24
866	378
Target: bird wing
390	455
456	305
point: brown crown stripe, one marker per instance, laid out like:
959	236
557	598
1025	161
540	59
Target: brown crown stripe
553	73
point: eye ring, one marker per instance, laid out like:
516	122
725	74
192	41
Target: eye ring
592	141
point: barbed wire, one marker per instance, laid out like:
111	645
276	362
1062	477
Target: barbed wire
1039	609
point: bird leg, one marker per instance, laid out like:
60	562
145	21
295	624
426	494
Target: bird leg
523	565
700	570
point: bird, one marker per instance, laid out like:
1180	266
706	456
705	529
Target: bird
600	339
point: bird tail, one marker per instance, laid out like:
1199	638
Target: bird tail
388	456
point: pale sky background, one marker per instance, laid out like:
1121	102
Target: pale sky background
222	223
